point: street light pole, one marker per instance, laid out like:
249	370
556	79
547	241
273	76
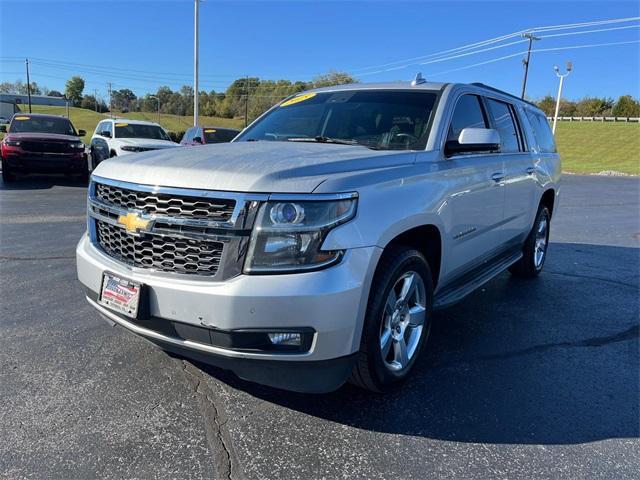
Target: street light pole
561	77
195	63
158	99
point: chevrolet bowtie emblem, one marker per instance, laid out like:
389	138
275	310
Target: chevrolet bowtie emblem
133	222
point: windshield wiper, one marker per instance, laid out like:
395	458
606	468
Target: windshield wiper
321	139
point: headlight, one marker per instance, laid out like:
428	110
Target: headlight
288	235
77	145
12	143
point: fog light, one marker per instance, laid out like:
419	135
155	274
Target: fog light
285	338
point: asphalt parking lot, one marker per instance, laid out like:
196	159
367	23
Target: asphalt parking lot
523	379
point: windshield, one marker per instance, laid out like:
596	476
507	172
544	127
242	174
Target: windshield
217	135
28	124
132	130
386	120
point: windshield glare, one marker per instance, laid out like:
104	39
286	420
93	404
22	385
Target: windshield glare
130	130
27	124
386	120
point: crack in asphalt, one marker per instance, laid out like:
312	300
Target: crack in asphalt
219	442
629	334
26	219
591	277
27	259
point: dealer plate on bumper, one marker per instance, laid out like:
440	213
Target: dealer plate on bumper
120	294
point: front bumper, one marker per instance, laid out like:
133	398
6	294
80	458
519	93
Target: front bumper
330	302
46	163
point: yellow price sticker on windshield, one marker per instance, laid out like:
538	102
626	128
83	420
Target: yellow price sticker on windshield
122	124
210	130
298	99
21	118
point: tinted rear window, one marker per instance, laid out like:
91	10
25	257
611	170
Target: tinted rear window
216	135
542	132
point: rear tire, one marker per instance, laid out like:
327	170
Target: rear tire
397	321
534	251
7	175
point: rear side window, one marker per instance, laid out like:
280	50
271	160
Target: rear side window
542	132
214	135
504	121
468	114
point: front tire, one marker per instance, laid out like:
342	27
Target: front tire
397	321
534	251
7	175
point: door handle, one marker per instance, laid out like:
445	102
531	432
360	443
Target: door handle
530	170
497	177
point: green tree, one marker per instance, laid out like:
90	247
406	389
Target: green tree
123	99
332	78
593	106
547	104
626	106
73	90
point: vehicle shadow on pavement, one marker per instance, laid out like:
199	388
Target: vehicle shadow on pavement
43	182
546	361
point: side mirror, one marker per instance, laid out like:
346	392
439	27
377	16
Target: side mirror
474	140
197	139
3	129
82	133
105	133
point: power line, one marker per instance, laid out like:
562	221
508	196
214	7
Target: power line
453	52
589	31
537	50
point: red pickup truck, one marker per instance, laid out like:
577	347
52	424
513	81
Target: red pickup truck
36	143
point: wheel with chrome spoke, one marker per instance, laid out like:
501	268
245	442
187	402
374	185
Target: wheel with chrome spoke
403	321
397	321
534	250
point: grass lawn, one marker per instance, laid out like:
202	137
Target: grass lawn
592	147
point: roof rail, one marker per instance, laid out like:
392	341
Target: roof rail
488	87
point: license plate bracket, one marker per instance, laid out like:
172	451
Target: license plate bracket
120	294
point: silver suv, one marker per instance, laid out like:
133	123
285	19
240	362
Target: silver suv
314	248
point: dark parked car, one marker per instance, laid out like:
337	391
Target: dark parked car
206	135
42	144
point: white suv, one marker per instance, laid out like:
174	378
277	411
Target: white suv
120	136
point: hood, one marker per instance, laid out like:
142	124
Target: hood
146	143
257	167
49	137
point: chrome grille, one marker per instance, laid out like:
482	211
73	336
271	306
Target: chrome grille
213	209
163	253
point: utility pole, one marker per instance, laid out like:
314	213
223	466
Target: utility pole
95	98
110	109
195	63
26	60
246	100
561	77
531	38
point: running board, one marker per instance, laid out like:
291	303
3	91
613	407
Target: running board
473	280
